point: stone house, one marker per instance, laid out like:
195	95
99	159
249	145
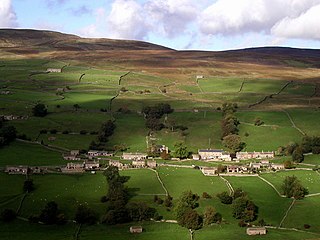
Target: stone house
151	163
255	166
138	163
134	156
208	154
116	163
254	155
72	156
195	156
54	70
265	163
256	231
277	166
95	153
17	170
233	169
91	165
136	229
73	168
209	171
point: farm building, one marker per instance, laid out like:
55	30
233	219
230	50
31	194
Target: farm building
17	170
91	165
277	166
116	163
5	92
195	156
256	231
54	70
209	171
151	163
256	155
94	153
72	156
136	229
138	163
233	169
207	154
73	168
265	163
134	156
255	166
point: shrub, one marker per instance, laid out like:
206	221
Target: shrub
43	131
65	132
83	132
206	195
53	131
8	215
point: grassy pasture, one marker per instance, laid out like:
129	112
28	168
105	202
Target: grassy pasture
264	86
69	141
307	120
18	153
215	84
312	159
68	191
178	180
304	211
309	179
271	207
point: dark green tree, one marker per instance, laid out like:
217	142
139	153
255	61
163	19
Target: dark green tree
297	155
8	215
233	143
85	215
181	150
292	187
49	215
39	110
225	198
28	185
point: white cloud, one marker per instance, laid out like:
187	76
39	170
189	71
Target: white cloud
7	15
127	20
305	26
229	17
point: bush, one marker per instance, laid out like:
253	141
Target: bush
306	226
8	215
206	195
103	199
43	131
225	198
65	132
83	132
53	131
39	110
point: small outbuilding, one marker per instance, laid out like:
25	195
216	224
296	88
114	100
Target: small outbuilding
136	229
256	231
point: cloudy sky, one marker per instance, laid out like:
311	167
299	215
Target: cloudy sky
179	24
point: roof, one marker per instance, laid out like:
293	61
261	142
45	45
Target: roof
256	228
210	150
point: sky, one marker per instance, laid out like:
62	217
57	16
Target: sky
178	24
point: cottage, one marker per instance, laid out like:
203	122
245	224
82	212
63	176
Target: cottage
256	231
199	77
277	166
116	163
233	169
152	164
134	156
73	168
17	170
136	229
265	163
51	139
209	171
225	156
91	165
94	153
207	154
54	70
74	152
255	155
255	166
5	92
71	157
195	156
138	163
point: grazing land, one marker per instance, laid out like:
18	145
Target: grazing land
101	79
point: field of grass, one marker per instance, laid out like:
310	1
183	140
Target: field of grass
304	211
308	179
178	180
18	153
271	207
312	159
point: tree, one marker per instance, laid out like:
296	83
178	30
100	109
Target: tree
288	164
297	155
39	110
50	213
180	150
239	193
28	185
292	187
225	198
211	216
191	220
139	211
76	107
244	209
233	143
8	215
85	215
7	134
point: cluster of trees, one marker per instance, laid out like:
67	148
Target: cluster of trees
7	134
180	150
308	145
106	130
292	187
242	207
39	110
117	197
188	217
230	130
153	114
